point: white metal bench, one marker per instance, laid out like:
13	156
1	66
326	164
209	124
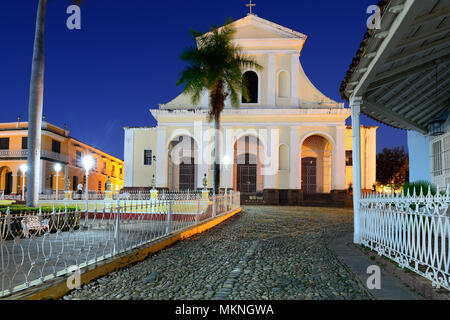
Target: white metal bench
34	223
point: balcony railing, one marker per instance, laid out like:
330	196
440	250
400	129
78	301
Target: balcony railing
76	163
21	153
55	156
13	153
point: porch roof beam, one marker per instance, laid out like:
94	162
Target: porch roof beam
408	86
431	110
404	55
388	113
423	37
442	13
382	53
418	97
402	75
419	65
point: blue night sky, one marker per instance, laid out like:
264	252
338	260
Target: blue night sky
124	60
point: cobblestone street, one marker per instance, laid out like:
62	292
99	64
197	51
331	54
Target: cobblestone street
275	253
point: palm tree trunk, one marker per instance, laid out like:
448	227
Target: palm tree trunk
216	152
35	109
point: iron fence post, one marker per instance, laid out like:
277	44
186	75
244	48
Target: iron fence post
117	230
197	216
169	209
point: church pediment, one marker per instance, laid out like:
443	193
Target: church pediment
255	33
254	27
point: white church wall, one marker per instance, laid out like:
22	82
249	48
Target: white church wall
368	156
128	158
136	173
277	51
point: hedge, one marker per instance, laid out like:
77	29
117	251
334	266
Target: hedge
21	209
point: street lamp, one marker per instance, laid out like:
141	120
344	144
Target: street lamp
226	161
23	169
57	169
87	162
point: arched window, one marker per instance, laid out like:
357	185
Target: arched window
283	155
284	85
250	81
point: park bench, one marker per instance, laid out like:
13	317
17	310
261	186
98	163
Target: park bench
34	223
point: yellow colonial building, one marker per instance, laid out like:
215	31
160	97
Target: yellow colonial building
57	147
289	141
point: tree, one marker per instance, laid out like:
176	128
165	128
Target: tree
215	65
393	167
35	106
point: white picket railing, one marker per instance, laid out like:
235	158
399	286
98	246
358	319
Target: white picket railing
35	248
412	230
127	195
3	196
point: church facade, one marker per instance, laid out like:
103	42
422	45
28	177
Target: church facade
288	141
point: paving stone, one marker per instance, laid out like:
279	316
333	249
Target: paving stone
264	253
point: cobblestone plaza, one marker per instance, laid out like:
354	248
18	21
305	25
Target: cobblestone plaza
265	253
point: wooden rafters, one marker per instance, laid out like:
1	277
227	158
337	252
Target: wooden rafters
405	123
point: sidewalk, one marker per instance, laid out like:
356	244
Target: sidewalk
391	287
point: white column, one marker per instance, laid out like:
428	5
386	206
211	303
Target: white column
226	179
339	161
201	134
355	105
161	159
271	158
271	77
295	74
294	163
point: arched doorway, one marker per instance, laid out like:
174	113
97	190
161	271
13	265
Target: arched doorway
316	164
247	168
309	175
247	174
182	166
6	180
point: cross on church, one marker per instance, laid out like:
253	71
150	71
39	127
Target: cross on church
251	5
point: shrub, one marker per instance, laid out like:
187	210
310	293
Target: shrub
21	209
417	186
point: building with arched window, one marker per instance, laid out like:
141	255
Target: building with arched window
286	140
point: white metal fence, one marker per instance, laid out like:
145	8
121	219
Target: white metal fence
4	196
37	247
413	230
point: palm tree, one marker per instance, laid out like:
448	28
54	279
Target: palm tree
216	65
35	106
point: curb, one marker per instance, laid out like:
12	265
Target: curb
57	288
415	281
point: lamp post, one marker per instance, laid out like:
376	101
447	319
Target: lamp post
23	169
57	169
87	162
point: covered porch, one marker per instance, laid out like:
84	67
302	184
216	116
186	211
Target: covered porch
400	77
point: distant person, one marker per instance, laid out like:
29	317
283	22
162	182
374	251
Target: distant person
80	189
